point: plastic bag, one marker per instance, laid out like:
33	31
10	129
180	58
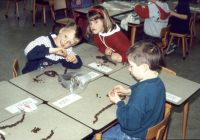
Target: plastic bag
75	82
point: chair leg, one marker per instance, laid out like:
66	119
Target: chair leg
183	43
191	38
32	6
53	27
17	10
44	16
186	45
98	136
163	57
172	37
8	5
24	4
185	114
178	41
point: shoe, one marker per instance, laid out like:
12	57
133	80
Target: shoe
171	49
175	46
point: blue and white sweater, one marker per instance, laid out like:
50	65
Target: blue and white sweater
37	53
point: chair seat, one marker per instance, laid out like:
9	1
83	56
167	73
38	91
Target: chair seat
43	3
178	35
160	44
65	20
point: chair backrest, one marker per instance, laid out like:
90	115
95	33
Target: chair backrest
15	68
191	25
157	131
164	34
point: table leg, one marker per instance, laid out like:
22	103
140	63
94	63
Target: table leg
98	136
133	32
185	114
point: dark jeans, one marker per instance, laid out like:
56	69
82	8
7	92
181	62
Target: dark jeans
141	35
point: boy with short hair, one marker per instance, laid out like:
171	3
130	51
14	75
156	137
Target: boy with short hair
146	104
54	48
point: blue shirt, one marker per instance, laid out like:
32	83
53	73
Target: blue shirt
144	109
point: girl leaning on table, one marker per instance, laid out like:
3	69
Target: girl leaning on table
107	35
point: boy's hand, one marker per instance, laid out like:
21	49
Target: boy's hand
172	12
114	97
108	51
78	2
121	90
71	58
116	57
59	51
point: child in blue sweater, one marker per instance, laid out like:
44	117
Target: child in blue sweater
146	104
54	48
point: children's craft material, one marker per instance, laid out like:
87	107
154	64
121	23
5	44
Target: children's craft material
49	136
35	130
2	136
105	59
12	125
103	109
48	73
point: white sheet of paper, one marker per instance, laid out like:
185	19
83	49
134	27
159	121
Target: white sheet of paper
172	97
67	100
93	74
99	67
13	108
2	132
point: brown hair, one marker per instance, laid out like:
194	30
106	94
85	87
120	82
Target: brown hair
145	51
108	23
78	31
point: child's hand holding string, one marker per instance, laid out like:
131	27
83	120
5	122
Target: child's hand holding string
116	57
71	58
121	90
59	51
108	51
113	96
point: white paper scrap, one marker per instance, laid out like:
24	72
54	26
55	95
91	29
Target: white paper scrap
93	74
14	108
2	132
172	97
67	100
99	67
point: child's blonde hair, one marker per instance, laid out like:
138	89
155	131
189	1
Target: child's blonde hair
78	31
99	12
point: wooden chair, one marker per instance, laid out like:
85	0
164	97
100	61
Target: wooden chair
184	38
15	68
159	127
158	130
16	7
43	4
167	70
163	44
61	5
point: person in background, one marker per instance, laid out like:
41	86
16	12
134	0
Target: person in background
78	4
107	35
180	20
156	17
54	48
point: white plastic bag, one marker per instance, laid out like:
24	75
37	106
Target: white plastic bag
75	82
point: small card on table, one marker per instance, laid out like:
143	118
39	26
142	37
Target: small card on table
100	67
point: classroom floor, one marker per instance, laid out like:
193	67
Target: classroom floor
16	34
